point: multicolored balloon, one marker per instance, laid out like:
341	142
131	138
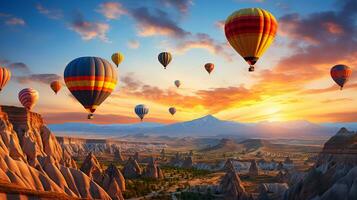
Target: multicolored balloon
56	86
340	74
172	110
5	76
91	80
141	110
28	98
117	58
209	67
164	58
250	32
177	83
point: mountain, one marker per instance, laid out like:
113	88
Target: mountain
205	126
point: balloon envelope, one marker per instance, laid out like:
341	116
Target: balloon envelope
340	74
172	110
141	110
209	67
28	97
5	76
177	83
117	58
250	32
90	80
56	86
164	58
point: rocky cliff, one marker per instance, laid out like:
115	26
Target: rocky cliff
334	175
31	158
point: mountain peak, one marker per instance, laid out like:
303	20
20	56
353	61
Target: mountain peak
344	131
209	118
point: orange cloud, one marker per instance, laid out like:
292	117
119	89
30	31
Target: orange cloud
112	10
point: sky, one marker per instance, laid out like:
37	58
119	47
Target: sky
291	82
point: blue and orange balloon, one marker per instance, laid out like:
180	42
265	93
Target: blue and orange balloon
91	80
141	110
340	74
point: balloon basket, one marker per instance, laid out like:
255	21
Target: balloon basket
251	69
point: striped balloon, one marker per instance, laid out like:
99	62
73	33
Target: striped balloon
209	67
117	58
340	74
28	98
141	110
56	86
172	110
5	76
165	58
91	80
250	32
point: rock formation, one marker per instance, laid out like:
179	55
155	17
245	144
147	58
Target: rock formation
132	169
31	157
136	156
231	187
288	161
188	162
334	175
153	170
228	166
117	156
253	169
111	179
163	154
176	160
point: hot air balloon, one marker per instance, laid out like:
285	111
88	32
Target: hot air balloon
91	80
340	74
5	76
141	110
250	32
165	58
117	58
172	110
28	98
209	67
177	83
56	86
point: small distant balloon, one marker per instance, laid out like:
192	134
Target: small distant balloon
172	110
209	67
56	86
177	83
164	58
28	98
5	76
117	58
141	110
341	74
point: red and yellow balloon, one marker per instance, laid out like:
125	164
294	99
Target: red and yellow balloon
250	32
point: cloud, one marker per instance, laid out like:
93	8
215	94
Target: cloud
15	21
50	13
112	10
181	5
336	117
89	30
39	78
156	23
336	100
133	44
332	88
316	46
220	24
204	41
18	68
212	100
